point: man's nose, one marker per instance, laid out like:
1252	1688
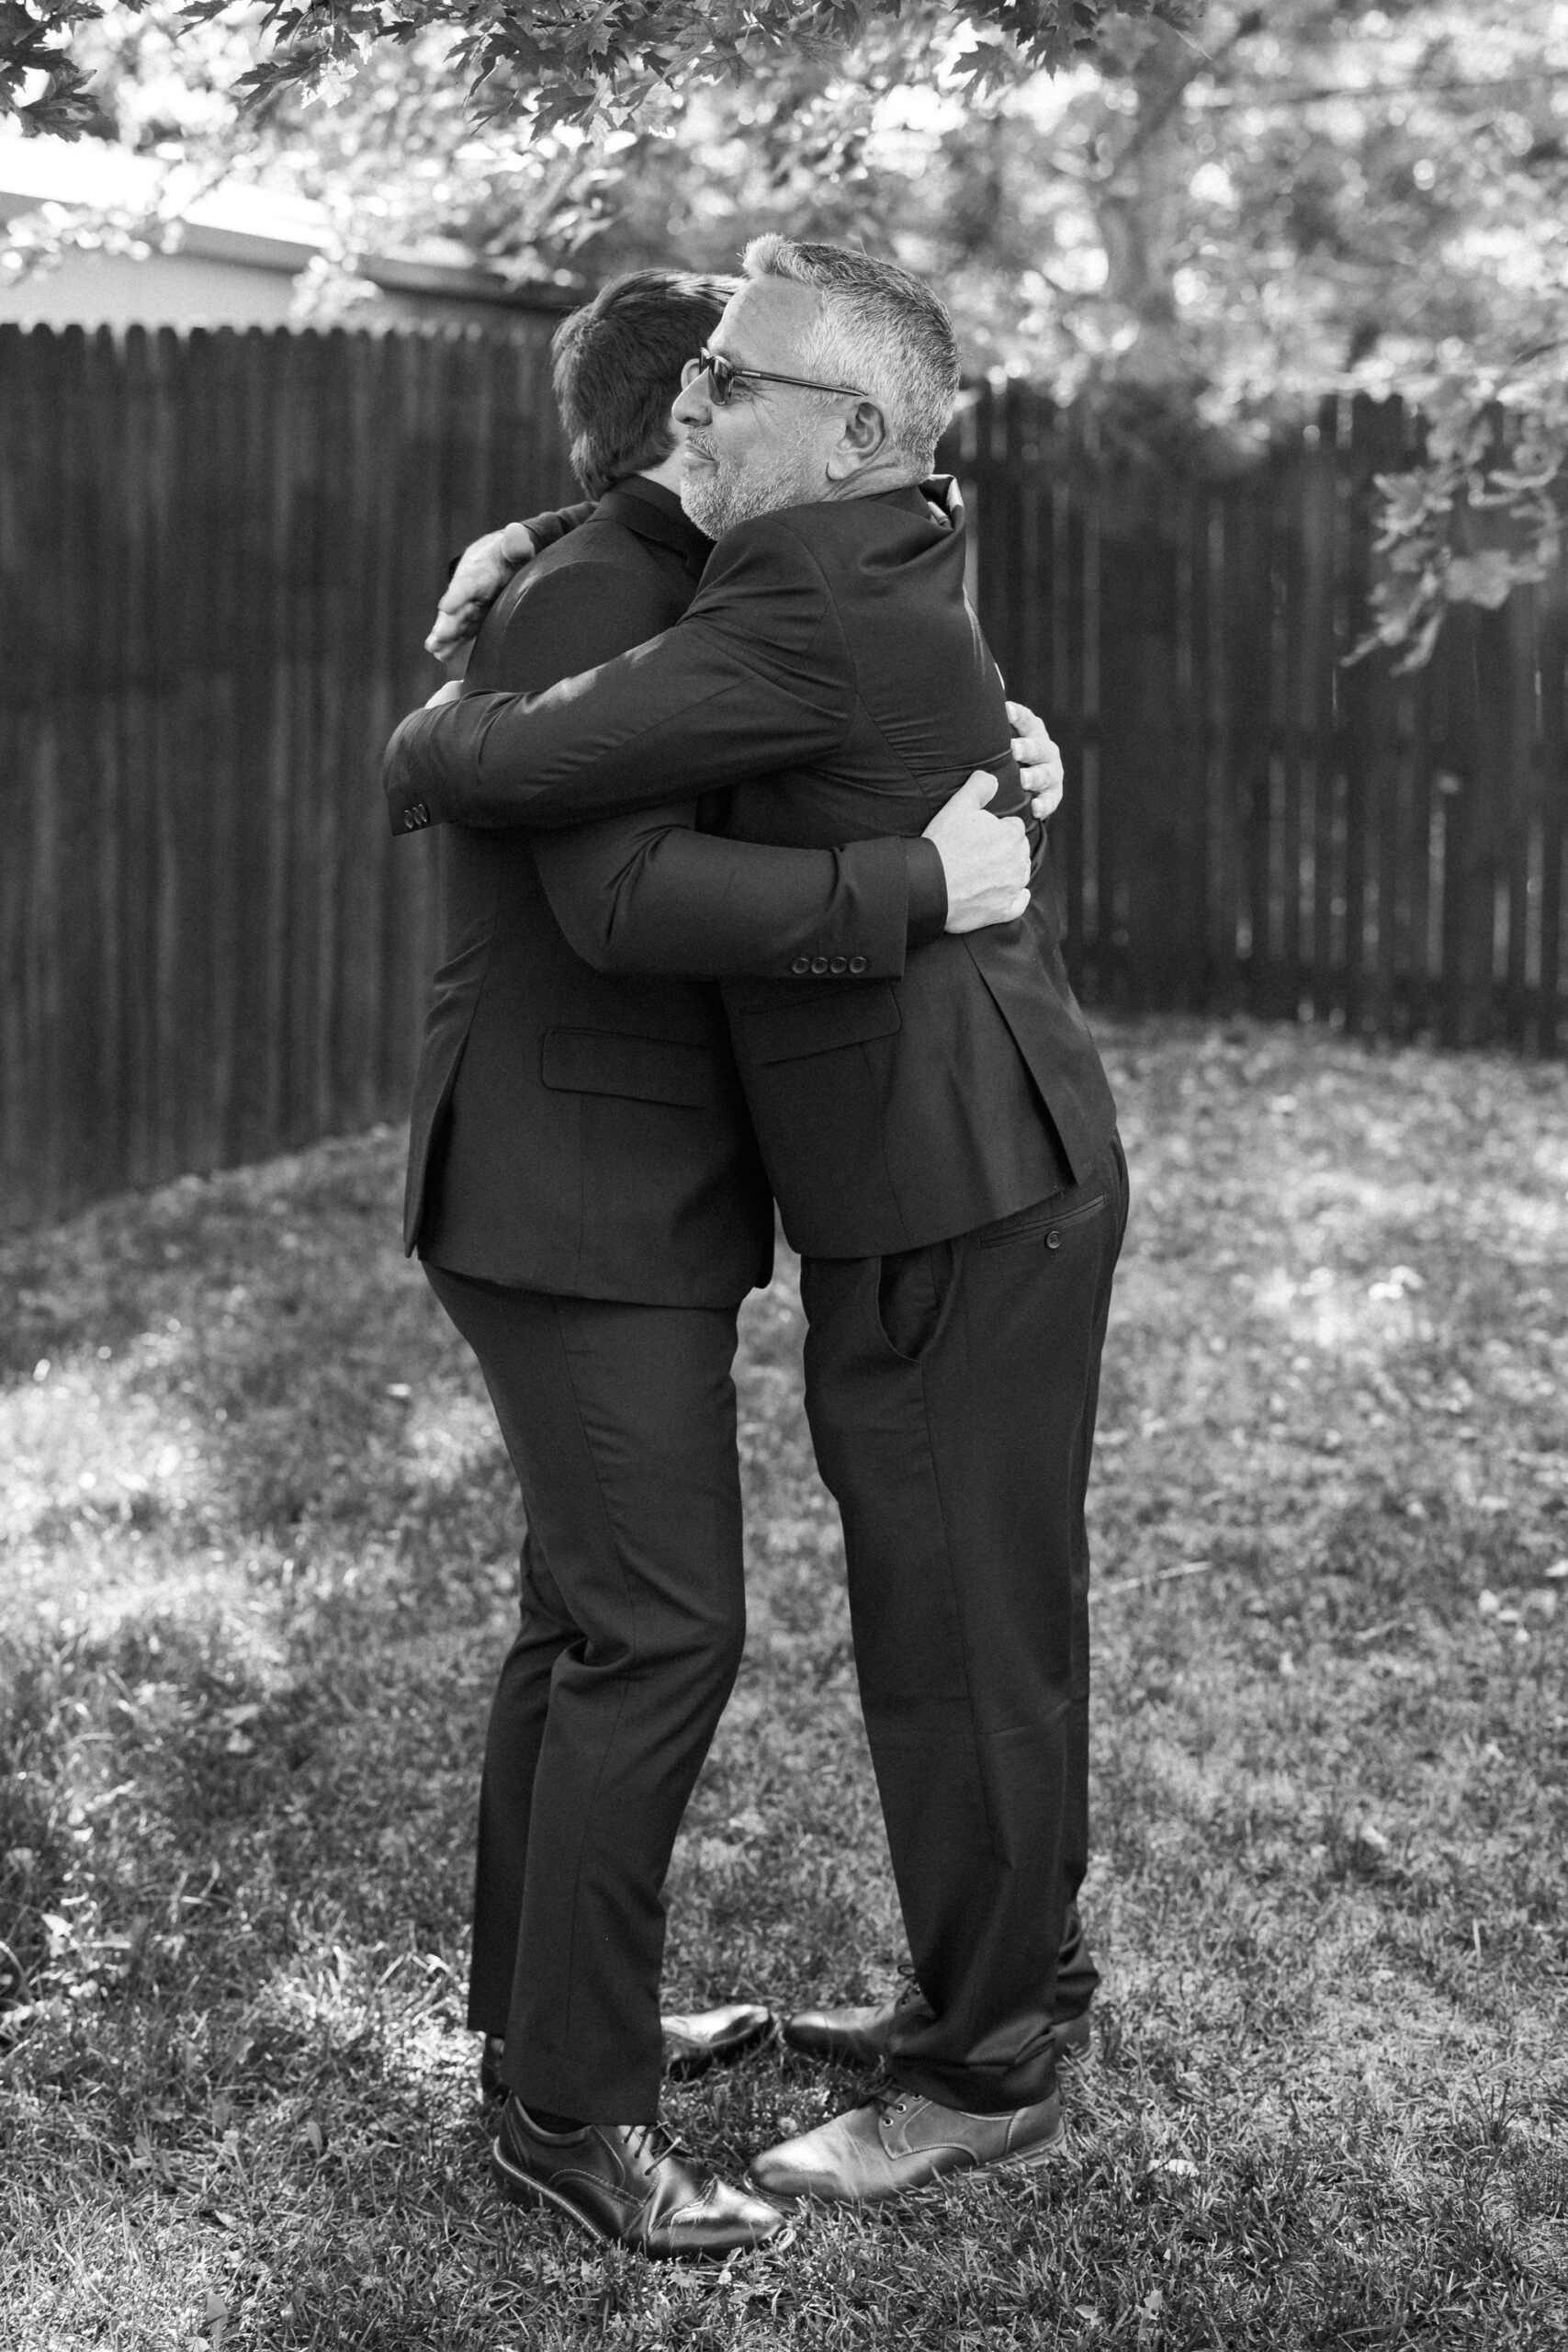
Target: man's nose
692	405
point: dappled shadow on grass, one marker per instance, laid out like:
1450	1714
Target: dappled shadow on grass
258	1570
265	1382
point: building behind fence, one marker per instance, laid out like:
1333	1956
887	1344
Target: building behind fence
218	555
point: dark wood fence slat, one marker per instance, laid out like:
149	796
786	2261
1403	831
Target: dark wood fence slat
1553	985
1069	706
1424	798
28	615
1290	756
1498	750
1188	751
1519	784
1320	629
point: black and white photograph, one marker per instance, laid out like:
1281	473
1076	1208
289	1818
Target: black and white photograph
783	1176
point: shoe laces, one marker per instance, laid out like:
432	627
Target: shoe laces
892	2101
651	2143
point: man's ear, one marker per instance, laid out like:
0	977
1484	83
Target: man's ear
863	436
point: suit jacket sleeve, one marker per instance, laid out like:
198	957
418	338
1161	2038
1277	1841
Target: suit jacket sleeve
756	678
651	894
545	529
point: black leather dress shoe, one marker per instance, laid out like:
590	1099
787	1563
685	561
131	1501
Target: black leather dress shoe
858	2036
631	2184
713	2037
691	2043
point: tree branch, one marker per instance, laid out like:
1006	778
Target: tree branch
1151	123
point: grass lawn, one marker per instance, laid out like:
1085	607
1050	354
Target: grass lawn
259	1546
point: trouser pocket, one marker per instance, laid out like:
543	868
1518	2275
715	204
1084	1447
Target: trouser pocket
912	1287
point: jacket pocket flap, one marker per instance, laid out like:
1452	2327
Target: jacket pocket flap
644	1069
822	1022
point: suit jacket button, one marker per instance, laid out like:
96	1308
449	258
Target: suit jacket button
839	963
857	963
411	822
801	964
818	963
1052	1240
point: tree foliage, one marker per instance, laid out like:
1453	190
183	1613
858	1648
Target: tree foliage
577	61
41	83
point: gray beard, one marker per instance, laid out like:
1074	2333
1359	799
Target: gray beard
718	499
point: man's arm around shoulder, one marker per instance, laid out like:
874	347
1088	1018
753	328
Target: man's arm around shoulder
756	678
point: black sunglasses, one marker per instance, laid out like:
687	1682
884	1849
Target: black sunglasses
722	375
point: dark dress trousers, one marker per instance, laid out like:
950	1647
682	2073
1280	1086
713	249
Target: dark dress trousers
585	1192
943	1150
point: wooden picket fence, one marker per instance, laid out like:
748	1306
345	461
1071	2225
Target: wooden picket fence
1251	822
218	554
218	558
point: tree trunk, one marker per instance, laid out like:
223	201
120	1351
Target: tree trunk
1139	209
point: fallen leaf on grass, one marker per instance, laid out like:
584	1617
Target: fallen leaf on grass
1395	1283
61	1933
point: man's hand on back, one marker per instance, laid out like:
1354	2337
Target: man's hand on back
1039	761
985	859
479	575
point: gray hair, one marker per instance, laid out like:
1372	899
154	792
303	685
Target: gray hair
878	328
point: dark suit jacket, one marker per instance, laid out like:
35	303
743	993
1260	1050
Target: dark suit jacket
583	1133
833	671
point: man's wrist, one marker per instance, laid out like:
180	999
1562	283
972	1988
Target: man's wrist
928	892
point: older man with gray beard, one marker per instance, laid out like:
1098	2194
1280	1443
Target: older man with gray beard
941	1147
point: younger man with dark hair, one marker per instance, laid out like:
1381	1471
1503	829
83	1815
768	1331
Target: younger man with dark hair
614	363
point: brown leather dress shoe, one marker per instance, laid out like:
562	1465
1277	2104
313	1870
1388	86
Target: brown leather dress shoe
858	2036
631	2184
691	2043
899	2142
